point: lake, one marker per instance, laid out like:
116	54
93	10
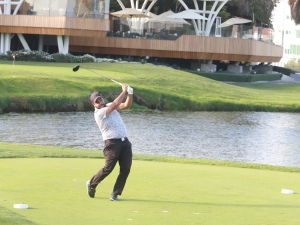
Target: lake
254	137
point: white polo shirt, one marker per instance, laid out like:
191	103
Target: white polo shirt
111	126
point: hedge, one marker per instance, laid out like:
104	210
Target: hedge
239	77
285	71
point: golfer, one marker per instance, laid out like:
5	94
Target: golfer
117	147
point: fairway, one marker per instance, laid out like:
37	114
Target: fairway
156	193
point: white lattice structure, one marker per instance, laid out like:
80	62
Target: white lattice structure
203	27
137	24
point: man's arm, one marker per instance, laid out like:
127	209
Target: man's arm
127	103
117	102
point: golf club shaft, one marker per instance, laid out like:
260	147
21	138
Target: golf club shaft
103	76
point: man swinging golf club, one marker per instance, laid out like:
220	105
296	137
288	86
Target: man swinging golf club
117	147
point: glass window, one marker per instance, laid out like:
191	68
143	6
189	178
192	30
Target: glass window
90	8
68	8
41	8
292	49
295	49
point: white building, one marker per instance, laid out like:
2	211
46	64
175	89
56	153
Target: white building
286	33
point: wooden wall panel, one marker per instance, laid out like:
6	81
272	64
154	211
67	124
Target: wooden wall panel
52	31
54	22
173	54
187	46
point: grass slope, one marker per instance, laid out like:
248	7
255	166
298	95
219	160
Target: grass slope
44	85
182	192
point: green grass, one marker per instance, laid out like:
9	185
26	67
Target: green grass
167	192
8	150
49	86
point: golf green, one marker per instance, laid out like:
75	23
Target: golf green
156	193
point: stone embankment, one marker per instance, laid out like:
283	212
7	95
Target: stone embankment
18	106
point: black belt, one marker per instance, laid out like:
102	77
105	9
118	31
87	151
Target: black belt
118	139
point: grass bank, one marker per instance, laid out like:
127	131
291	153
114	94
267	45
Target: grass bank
156	192
55	87
9	150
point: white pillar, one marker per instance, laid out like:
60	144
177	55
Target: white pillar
1	43
60	44
6	42
23	41
66	44
41	43
63	44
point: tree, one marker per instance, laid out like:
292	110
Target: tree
259	11
295	10
114	6
293	64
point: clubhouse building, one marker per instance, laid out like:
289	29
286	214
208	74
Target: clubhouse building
88	27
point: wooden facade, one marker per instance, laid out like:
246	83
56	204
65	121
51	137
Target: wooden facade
89	36
185	47
53	25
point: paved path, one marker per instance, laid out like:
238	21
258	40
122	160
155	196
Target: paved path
292	79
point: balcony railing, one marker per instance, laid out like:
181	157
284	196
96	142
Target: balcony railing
168	31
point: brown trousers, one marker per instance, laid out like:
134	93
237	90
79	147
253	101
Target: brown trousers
115	150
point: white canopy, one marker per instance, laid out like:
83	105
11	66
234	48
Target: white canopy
164	18
188	14
235	20
129	13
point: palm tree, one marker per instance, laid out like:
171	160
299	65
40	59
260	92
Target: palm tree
295	10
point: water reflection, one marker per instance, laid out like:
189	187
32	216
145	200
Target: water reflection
268	138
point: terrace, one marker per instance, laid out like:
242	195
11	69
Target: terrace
86	27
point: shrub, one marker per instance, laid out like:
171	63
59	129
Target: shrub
143	61
33	56
3	56
87	58
75	60
285	71
265	77
62	58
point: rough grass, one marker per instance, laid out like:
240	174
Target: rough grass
42	86
156	193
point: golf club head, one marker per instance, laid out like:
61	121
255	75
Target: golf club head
76	68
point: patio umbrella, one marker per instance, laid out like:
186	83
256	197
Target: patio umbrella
166	21
188	14
137	24
129	13
164	18
235	20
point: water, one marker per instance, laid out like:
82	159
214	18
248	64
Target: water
255	137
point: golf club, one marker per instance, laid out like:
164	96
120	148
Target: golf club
76	68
